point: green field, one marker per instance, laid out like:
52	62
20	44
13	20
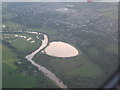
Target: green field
67	68
11	79
14	51
21	44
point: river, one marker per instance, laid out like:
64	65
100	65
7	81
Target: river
48	73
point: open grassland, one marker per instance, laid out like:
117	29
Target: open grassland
15	80
83	70
21	44
11	79
8	56
70	68
17	71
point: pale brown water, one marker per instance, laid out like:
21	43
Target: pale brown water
61	49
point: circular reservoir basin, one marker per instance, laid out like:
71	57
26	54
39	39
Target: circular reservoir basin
61	49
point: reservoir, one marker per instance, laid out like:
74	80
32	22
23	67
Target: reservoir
61	49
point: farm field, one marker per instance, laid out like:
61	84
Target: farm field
23	43
70	68
14	63
9	71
